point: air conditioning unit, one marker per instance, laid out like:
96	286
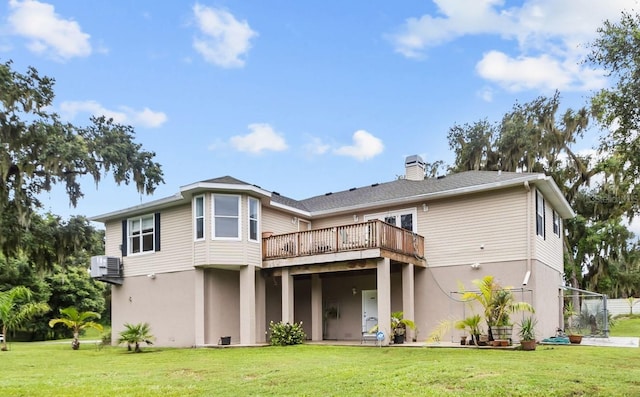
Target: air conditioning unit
106	268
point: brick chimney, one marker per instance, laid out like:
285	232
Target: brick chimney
414	168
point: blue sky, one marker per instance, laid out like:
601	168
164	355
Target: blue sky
298	97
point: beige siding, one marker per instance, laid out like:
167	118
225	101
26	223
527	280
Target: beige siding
277	222
113	238
547	250
335	221
176	239
487	227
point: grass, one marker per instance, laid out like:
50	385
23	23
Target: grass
52	368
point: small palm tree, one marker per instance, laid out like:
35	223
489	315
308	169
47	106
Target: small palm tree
16	308
76	321
134	334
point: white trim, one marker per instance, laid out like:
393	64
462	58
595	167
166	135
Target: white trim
204	218
140	237
249	199
213	217
229	187
396	213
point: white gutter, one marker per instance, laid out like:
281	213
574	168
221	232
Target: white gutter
156	204
226	187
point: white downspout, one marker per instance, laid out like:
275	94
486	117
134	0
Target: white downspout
525	281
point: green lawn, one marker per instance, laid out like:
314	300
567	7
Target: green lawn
51	368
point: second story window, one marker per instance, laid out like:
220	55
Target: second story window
198	217
556	224
540	215
226	216
253	219
141	234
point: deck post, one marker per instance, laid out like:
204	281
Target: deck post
408	297
384	298
287	296
248	305
316	307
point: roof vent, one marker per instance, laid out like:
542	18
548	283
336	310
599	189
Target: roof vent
352	189
328	194
440	176
375	184
276	193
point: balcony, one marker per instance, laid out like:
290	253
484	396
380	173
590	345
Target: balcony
368	240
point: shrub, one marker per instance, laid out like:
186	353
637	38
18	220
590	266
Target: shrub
283	334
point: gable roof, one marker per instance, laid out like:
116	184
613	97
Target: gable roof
376	195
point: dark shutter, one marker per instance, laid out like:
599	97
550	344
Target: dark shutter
156	228
123	246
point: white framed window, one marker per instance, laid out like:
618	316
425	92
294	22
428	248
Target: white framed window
253	206
226	216
556	223
540	215
405	218
198	218
141	234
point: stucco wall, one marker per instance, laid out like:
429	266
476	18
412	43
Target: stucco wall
170	315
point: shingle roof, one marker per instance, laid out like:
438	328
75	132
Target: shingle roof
399	189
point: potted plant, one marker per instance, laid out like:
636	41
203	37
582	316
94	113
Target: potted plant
528	334
573	328
399	326
471	324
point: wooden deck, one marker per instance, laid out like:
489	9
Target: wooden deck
356	237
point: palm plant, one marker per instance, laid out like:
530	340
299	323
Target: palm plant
76	321
497	302
135	334
16	308
527	329
399	324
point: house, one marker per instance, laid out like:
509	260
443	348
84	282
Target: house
223	258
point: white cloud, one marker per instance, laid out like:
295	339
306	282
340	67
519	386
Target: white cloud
47	32
486	94
365	146
261	138
547	34
125	115
223	39
316	147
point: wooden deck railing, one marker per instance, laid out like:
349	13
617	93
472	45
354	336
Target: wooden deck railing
359	236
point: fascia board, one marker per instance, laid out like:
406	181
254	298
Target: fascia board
152	205
199	186
290	209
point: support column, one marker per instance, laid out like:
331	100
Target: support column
287	296
199	307
316	307
248	305
384	298
408	297
261	307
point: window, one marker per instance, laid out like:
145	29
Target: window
540	215
141	234
226	216
253	219
400	218
556	223
198	213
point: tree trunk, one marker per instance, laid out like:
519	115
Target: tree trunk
4	340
